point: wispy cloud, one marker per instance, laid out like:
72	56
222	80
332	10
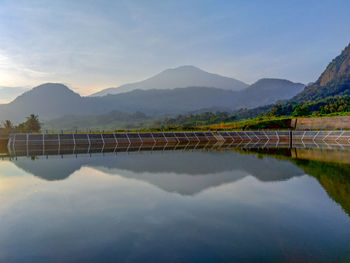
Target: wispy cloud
7	94
93	45
12	72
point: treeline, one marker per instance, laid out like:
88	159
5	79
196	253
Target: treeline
109	121
244	114
331	105
194	120
336	105
32	124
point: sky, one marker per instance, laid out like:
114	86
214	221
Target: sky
92	45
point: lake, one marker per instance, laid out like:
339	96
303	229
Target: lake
236	205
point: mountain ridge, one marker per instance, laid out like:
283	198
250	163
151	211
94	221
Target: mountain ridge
333	83
54	100
179	77
334	80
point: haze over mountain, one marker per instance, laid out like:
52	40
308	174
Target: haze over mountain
54	100
51	99
180	77
109	120
266	90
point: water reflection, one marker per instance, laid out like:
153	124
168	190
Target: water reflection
182	172
189	173
237	205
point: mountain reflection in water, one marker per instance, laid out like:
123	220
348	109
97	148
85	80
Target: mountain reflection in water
190	172
182	172
237	205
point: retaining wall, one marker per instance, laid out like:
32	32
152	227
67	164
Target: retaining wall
326	123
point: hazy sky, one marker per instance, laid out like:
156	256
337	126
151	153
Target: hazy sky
91	45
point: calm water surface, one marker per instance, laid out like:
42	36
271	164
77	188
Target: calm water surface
175	206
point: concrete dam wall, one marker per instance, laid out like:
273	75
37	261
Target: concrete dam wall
20	140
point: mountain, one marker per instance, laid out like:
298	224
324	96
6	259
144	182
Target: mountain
174	101
50	99
184	100
335	80
54	100
266	90
180	77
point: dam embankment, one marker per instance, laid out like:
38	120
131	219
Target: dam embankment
116	139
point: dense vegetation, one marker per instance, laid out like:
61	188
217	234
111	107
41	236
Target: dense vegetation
332	105
109	121
244	114
266	117
32	124
194	120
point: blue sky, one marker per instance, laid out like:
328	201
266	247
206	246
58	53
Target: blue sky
92	45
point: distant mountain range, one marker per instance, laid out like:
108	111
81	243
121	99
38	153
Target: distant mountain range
266	90
180	77
178	91
54	100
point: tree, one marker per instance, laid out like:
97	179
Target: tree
32	123
340	108
302	110
8	125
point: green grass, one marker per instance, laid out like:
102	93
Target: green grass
255	123
267	122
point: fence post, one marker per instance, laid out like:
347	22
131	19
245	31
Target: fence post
290	138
